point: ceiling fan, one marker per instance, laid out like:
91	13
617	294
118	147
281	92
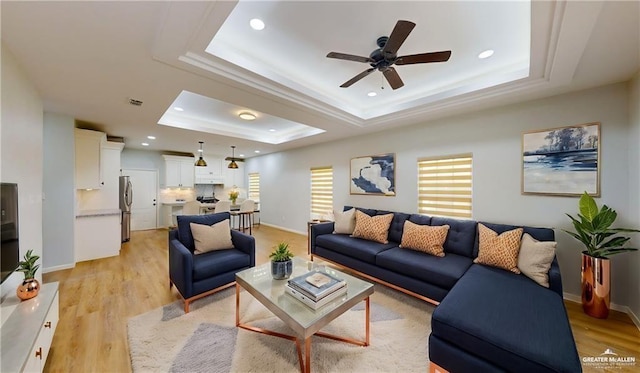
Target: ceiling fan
383	58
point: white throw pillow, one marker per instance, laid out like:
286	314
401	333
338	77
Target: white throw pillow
345	222
535	257
211	237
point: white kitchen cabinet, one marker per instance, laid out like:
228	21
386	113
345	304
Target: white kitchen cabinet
97	234
28	332
234	176
212	173
88	146
111	152
179	171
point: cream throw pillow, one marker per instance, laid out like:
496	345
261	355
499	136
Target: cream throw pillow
425	238
345	222
535	259
499	250
211	237
372	228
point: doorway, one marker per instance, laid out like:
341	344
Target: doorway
144	209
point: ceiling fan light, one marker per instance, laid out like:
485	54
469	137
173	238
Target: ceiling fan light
201	162
247	115
233	165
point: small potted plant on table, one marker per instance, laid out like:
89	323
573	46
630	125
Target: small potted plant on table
592	228
30	286
281	263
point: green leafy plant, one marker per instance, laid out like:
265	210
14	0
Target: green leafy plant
28	266
593	229
281	253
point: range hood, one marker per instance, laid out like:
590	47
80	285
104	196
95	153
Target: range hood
204	180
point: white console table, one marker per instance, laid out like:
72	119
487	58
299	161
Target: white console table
28	332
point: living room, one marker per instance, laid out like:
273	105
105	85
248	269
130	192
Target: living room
34	134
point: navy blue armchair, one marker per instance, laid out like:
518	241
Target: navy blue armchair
196	276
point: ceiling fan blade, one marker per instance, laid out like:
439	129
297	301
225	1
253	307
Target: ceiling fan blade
357	77
424	58
398	36
393	78
349	57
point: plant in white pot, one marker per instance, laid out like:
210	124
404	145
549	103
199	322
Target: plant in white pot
593	229
281	263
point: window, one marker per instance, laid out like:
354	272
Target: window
444	186
254	187
321	191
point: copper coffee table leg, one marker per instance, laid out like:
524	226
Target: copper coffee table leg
307	355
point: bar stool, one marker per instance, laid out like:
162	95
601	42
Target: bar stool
245	215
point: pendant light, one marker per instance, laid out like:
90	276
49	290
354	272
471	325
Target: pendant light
200	162
233	163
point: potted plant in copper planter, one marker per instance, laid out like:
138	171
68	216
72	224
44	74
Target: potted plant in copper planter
281	263
30	286
592	228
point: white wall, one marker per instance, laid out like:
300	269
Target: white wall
633	259
59	189
494	138
21	138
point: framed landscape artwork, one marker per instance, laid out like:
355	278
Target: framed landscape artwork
562	161
374	175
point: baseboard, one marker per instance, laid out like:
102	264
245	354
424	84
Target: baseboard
283	228
58	268
617	307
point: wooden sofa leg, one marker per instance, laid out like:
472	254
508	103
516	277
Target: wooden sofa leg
435	368
186	306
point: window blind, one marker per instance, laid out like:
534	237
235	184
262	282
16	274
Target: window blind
254	186
321	190
445	186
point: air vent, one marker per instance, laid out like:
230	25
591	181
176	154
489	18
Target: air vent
135	102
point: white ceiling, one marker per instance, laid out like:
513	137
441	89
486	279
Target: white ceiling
88	59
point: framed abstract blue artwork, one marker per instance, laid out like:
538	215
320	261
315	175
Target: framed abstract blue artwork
374	175
562	161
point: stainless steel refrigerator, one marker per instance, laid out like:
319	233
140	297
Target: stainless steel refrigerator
126	199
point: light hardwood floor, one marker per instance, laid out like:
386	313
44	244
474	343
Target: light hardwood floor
97	297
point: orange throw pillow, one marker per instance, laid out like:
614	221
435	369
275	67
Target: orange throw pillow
372	228
425	238
499	250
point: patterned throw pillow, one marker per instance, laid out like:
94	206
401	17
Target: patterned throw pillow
535	259
211	237
372	228
425	238
499	250
345	222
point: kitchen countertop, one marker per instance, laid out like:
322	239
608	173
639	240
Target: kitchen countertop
174	203
94	213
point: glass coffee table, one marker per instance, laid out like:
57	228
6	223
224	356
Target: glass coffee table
304	321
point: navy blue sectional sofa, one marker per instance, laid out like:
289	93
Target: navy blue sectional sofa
487	319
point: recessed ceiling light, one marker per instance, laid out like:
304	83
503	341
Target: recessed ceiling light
256	24
247	115
199	150
372	94
256	151
151	137
241	155
145	144
178	108
486	54
272	130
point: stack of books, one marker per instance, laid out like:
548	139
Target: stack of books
316	288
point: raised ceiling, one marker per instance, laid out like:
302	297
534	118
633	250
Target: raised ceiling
88	59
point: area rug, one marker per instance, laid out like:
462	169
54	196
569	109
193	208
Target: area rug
206	339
